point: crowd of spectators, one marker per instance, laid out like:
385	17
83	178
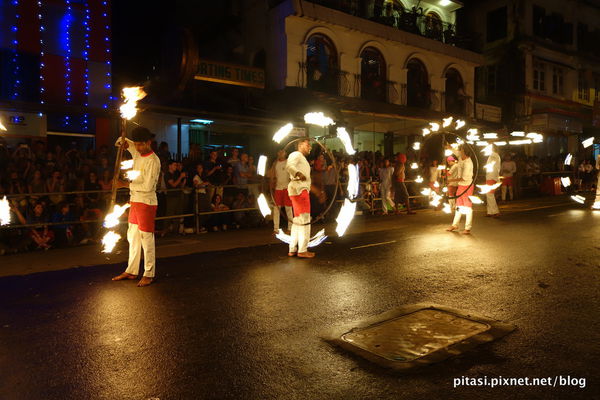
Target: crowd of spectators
43	182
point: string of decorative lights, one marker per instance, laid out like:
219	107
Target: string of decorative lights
15	57
42	65
68	20
108	62
86	57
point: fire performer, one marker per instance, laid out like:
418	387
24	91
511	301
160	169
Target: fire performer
299	188
465	189
142	212
280	180
492	176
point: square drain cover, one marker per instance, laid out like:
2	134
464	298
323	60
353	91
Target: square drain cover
417	335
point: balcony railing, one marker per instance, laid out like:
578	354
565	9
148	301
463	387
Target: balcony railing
412	21
333	81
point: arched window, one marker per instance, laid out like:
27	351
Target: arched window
455	97
372	75
417	88
259	59
321	64
433	26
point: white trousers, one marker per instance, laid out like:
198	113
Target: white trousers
386	198
277	216
300	233
452	203
139	241
492	206
469	219
510	192
597	199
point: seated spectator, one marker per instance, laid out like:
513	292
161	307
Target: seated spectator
104	166
41	236
91	184
63	233
37	183
55	184
105	181
220	220
240	202
15	184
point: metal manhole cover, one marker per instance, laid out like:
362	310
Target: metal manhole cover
415	335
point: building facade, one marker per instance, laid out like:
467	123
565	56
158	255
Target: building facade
55	69
541	67
387	67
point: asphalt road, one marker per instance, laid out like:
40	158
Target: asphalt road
247	323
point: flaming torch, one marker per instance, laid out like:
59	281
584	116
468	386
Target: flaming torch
131	96
2	127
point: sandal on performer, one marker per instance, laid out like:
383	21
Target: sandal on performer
452	228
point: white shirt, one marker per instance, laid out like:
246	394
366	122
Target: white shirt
282	178
452	175
465	172
385	176
434	174
296	162
143	188
508	168
494	173
198	181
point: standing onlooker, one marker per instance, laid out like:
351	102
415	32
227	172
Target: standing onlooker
508	170
386	174
234	160
175	180
201	196
212	170
279	183
452	179
434	175
241	171
400	191
492	176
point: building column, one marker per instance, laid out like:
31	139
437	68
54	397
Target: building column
438	87
402	79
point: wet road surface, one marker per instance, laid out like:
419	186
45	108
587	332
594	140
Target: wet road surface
247	323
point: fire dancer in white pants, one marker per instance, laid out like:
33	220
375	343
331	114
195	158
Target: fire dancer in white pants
492	176
299	188
143	206
464	190
279	181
